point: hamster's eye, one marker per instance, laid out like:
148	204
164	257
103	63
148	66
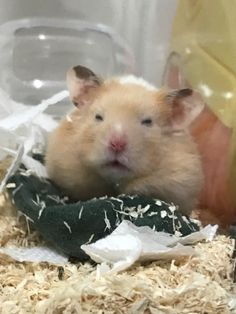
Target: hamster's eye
147	122
98	117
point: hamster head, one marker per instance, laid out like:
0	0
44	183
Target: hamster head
120	124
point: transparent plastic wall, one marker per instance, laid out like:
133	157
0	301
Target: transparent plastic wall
40	40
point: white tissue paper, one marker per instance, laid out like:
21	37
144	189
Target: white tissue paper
34	254
128	244
24	129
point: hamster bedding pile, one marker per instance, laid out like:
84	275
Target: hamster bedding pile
199	284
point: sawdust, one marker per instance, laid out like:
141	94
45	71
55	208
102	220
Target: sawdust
201	284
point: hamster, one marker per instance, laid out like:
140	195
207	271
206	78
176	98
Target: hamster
126	137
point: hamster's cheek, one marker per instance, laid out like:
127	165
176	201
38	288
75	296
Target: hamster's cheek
96	154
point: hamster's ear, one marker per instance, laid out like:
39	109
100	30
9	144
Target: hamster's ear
185	105
81	82
173	75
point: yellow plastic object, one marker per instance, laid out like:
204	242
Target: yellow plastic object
204	36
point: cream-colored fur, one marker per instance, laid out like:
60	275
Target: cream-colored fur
160	162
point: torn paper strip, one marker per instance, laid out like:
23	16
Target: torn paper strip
121	249
26	126
29	114
34	254
129	244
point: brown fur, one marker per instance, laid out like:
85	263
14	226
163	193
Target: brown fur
162	164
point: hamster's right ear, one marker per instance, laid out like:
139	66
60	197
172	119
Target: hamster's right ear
173	76
81	82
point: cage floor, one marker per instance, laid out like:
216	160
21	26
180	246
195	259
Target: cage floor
201	284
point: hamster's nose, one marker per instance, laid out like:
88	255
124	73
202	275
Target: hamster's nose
117	144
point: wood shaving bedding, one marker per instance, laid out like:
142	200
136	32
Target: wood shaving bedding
201	284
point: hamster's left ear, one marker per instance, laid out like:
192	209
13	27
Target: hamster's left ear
81	82
185	105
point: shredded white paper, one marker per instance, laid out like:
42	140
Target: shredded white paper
24	129
34	254
28	115
128	244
